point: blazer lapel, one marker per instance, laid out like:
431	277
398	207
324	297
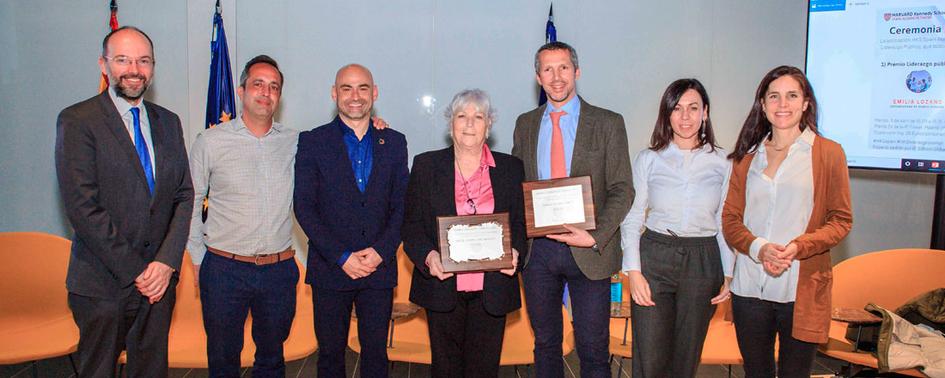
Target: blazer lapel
444	190
378	157
583	138
116	125
499	195
534	126
343	162
158	139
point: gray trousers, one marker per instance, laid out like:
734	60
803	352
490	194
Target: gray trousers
684	274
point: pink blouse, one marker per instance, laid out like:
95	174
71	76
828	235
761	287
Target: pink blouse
474	196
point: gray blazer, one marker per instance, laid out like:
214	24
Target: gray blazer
119	228
600	151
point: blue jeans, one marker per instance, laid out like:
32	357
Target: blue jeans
229	290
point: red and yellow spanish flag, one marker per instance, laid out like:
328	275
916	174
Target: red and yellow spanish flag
112	24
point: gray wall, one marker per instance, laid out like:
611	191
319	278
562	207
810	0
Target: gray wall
629	52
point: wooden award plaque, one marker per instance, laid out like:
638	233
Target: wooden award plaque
587	196
450	266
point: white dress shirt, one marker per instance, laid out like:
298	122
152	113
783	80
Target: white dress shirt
678	192
777	210
250	181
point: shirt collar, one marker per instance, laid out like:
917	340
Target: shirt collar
672	149
807	137
348	132
239	125
486	160
805	140
572	107
122	104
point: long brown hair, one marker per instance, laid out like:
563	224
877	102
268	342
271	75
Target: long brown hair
663	130
757	126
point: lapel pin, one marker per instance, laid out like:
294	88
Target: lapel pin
380	141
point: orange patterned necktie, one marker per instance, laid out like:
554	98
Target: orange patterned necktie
558	167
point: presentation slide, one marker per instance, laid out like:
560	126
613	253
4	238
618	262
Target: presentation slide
878	71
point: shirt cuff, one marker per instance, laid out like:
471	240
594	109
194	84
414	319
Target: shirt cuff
755	248
631	261
344	258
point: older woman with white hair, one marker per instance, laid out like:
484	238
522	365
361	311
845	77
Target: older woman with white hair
465	311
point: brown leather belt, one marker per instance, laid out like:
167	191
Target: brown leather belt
271	258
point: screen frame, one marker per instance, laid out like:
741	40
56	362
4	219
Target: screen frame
867	168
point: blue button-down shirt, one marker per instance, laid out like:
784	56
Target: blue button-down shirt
361	154
568	124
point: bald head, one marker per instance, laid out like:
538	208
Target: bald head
354	92
125	34
353	69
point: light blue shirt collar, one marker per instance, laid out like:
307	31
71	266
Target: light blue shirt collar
569	125
572	107
124	106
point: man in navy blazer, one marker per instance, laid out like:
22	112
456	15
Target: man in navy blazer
125	186
350	182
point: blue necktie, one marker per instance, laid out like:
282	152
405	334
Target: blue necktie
142	147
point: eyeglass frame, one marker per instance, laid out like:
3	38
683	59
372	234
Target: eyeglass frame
126	61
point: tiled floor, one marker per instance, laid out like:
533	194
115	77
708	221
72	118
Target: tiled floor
60	368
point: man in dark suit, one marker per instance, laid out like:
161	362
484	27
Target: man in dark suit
125	183
569	137
350	182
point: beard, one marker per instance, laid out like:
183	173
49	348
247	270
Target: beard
127	93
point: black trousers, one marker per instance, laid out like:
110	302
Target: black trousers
466	342
757	323
109	325
333	319
684	274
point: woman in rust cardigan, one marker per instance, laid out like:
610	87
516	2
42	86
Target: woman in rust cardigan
788	203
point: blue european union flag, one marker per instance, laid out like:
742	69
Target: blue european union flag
551	35
220	103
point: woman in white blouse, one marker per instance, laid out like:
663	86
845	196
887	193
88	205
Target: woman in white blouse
788	203
679	264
